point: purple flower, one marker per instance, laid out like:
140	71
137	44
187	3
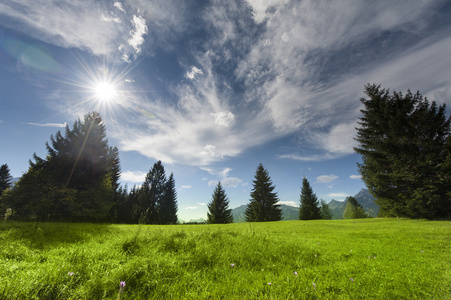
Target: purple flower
70	273
269	283
232	265
352	279
314	285
122	284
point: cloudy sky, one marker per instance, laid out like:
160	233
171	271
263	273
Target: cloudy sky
213	88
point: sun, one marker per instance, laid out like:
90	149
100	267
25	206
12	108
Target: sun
105	91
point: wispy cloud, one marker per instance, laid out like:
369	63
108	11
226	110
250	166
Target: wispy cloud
191	74
60	125
338	195
104	28
191	207
355	177
185	187
137	33
326	178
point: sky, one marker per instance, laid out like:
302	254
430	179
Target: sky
214	88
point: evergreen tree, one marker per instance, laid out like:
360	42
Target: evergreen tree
218	208
5	178
326	213
168	205
309	209
263	205
76	181
152	193
406	154
353	210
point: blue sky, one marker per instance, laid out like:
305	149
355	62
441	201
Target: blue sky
213	88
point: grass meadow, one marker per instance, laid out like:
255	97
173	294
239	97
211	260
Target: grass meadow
337	259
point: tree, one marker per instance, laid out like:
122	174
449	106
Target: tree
5	178
76	181
326	214
263	205
309	209
168	205
218	208
405	146
353	209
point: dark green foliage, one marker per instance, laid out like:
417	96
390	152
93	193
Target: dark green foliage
156	200
5	178
309	209
325	211
262	206
76	181
168	205
353	209
218	208
151	194
406	152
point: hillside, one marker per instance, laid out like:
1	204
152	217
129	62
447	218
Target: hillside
288	213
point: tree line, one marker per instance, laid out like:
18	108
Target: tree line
404	142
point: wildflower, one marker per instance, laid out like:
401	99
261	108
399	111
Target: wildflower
422	251
295	273
232	265
314	285
352	279
269	283
121	288
70	273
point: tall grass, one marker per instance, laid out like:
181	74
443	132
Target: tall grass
339	259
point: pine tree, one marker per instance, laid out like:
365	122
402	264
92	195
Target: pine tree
5	178
326	214
77	179
309	209
152	194
353	209
168	205
218	208
263	205
406	153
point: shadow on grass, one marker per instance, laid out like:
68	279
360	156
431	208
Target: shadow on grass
52	234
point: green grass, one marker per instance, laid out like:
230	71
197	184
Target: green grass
386	259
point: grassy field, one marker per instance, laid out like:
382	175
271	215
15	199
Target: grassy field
339	259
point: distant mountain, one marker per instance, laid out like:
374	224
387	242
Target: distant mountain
288	213
363	197
336	207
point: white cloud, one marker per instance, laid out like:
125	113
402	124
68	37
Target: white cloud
338	195
129	80
355	177
191	207
202	203
231	182
326	178
213	182
225	172
223	118
204	179
289	203
185	187
60	125
133	176
193	72
137	33
104	28
119	6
